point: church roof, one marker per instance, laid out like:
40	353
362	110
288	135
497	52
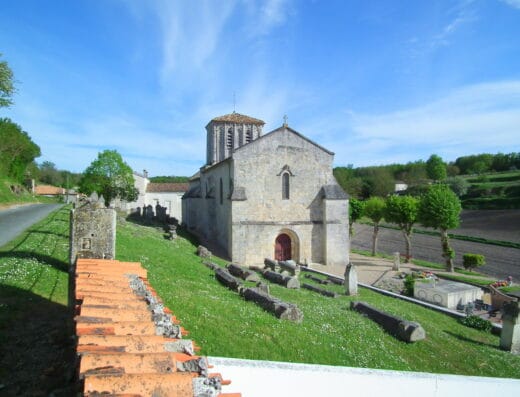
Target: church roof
238	118
333	192
166	187
286	127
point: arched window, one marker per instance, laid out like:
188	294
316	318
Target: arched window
285	186
229	139
221	192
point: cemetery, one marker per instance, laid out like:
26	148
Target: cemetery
225	306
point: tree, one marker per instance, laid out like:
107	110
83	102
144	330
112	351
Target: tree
49	174
375	209
440	209
355	211
403	211
6	84
458	184
471	261
436	168
17	150
110	177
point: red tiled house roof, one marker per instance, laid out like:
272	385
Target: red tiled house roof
48	190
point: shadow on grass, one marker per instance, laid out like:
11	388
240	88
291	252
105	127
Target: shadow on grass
475	342
49	260
154	224
37	352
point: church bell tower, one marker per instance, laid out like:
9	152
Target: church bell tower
229	132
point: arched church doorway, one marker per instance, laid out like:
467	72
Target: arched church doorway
283	248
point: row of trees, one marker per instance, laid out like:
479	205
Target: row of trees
438	208
17	150
364	182
47	173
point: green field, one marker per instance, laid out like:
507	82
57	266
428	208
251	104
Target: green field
225	325
33	285
493	191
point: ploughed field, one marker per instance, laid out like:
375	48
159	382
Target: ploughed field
501	225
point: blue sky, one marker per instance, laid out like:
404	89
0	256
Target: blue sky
376	82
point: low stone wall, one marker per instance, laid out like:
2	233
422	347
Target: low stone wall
498	299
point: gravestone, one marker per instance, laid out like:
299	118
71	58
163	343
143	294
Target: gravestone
397	261
351	280
203	252
407	331
447	293
510	335
92	232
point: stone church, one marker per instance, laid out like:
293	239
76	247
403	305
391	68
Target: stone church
267	195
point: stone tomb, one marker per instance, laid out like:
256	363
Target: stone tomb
446	293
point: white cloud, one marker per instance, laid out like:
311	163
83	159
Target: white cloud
512	3
473	119
464	14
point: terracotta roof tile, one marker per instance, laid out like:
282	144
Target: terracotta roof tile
238	118
125	344
167	187
48	190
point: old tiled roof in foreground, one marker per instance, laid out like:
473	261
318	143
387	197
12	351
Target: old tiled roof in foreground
238	118
129	344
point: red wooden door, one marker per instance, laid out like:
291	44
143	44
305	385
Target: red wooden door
282	251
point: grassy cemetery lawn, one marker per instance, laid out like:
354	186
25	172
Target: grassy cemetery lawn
36	349
33	314
224	324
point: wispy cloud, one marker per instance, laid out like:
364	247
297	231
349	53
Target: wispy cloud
472	119
462	14
512	3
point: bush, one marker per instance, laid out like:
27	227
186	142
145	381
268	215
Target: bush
409	283
471	261
476	322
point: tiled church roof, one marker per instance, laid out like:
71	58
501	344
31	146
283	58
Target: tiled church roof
167	187
238	118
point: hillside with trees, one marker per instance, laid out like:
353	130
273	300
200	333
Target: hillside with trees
482	181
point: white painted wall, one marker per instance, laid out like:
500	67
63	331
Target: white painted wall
268	378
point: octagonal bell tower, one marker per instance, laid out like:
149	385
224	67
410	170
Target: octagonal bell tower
229	132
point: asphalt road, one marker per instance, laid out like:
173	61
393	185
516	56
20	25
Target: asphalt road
500	261
14	221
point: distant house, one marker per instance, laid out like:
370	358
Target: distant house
49	191
166	195
400	186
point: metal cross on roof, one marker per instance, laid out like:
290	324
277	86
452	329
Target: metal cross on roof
285	120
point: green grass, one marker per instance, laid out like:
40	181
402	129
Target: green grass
37	261
8	197
513	288
484	282
33	268
225	325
